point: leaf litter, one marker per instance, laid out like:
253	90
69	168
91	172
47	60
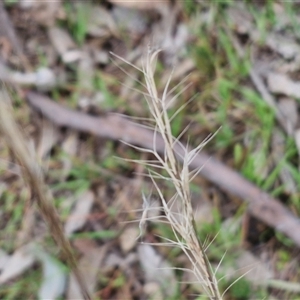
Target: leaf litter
90	266
80	213
21	260
54	277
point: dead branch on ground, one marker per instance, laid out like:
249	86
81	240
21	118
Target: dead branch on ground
260	204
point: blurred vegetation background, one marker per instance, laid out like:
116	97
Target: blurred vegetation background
236	66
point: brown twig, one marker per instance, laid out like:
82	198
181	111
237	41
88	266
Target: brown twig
33	175
260	204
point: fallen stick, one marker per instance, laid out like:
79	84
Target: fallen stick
260	204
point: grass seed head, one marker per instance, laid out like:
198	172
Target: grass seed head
181	218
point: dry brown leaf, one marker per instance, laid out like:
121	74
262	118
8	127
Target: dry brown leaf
203	212
8	34
153	291
100	56
44	79
283	18
182	69
100	22
125	292
114	260
130	19
21	260
3	186
3	258
128	238
242	21
45	12
48	138
297	140
253	269
287	47
64	44
86	71
143	4
240	18
282	84
69	146
171	36
89	266
289	110
28	224
61	40
157	269
54	277
79	215
278	152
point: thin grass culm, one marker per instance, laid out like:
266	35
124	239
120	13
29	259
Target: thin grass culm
181	218
33	175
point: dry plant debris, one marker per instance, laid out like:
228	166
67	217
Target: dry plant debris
243	62
34	177
261	204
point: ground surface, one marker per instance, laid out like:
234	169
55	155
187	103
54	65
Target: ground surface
242	59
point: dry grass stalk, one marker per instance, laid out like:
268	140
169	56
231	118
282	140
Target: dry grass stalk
181	218
34	177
